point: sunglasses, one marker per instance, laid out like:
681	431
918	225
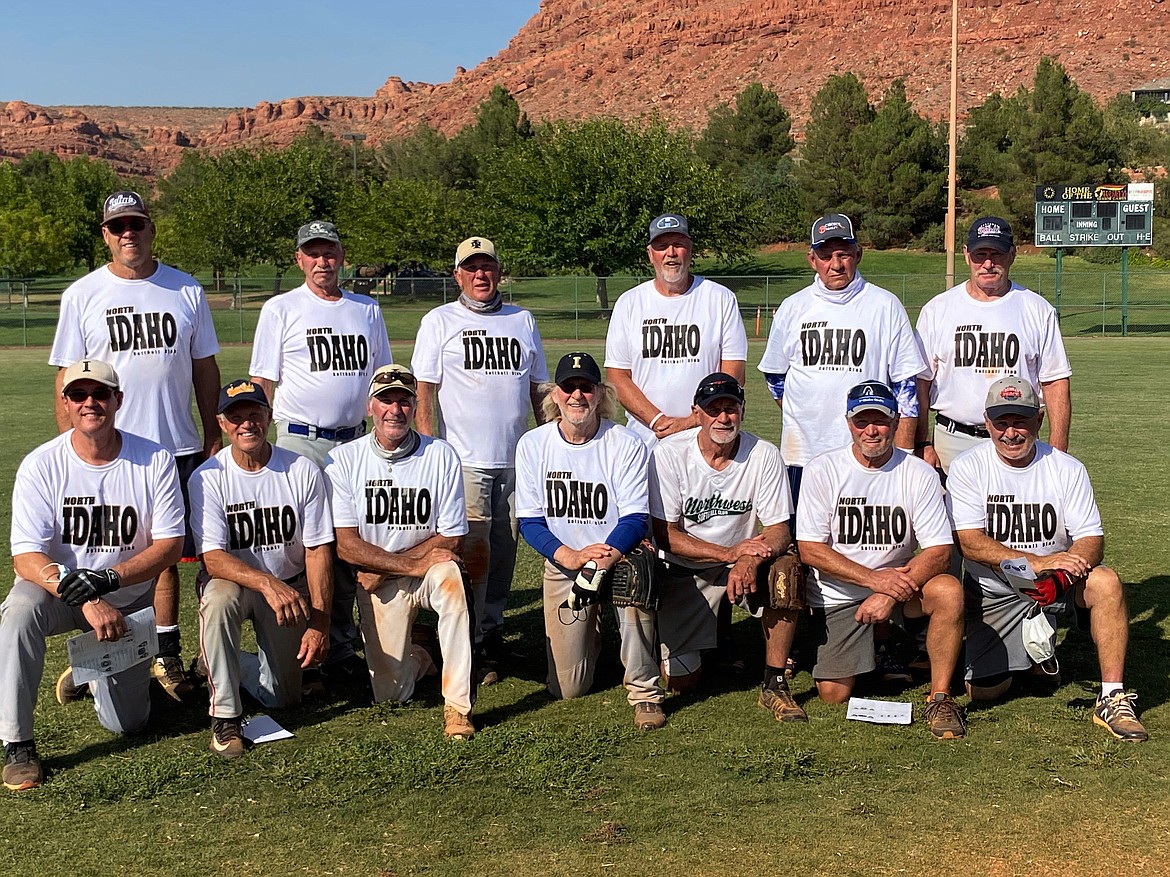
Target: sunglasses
117	226
402	379
98	394
710	388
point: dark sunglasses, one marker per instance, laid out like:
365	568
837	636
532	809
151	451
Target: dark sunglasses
720	387
99	394
117	226
405	379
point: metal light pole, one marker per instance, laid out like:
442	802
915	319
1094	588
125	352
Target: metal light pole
952	175
355	139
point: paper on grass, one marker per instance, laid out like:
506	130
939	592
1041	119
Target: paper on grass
264	729
91	660
880	712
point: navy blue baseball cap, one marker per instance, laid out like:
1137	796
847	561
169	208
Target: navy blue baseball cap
871	396
833	226
718	385
991	232
241	391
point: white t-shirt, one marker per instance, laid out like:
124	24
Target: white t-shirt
720	507
670	343
265	518
825	348
581	490
323	353
149	331
874	517
971	344
485	366
396	505
94	517
1041	508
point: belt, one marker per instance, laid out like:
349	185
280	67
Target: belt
345	434
954	426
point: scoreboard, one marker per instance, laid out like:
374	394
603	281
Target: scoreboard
1104	215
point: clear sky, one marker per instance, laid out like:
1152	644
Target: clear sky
212	53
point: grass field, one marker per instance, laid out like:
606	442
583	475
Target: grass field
551	788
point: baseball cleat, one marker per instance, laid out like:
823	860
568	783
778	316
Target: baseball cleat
775	697
168	673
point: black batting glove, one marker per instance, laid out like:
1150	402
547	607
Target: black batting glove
82	585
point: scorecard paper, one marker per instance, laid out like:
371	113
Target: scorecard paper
879	712
91	660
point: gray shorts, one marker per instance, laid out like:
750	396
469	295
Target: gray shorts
688	608
995	629
844	646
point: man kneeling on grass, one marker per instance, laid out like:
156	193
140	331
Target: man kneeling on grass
262	526
864	508
96	516
1017	497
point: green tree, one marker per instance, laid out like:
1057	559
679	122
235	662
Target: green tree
751	144
903	172
31	241
403	219
984	157
72	193
499	124
580	195
830	170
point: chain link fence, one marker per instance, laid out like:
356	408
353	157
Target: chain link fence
1089	303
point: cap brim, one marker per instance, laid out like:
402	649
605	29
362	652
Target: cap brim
1000	410
874	406
709	399
991	244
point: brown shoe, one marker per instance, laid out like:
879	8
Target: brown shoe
227	738
456	725
776	698
1116	714
67	691
168	673
22	767
649	716
944	717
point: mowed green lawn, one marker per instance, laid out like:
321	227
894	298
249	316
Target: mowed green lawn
553	788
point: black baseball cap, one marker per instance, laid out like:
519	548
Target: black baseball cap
718	385
991	232
577	365
241	391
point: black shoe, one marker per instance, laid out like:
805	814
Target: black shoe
22	767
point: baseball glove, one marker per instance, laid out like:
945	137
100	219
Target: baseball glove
633	581
1050	586
783	581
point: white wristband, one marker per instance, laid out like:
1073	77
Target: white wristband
656	417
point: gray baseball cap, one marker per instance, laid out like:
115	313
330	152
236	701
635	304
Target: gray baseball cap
833	226
317	231
1012	395
669	223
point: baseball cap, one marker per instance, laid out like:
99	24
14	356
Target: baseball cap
871	396
90	370
1012	395
241	391
317	231
475	247
577	365
832	226
991	232
393	377
669	223
718	385
124	203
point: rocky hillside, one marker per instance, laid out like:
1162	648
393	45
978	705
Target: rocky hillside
579	58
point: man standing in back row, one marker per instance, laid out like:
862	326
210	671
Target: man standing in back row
152	324
479	363
318	346
984	329
667	334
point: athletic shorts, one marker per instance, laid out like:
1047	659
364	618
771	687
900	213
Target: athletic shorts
187	464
